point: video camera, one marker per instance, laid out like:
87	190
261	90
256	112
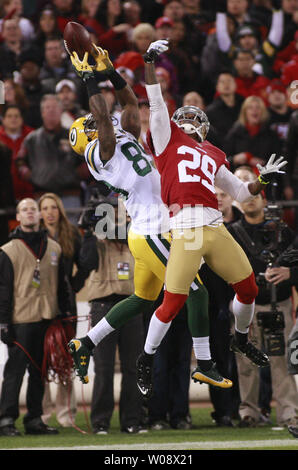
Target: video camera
272	323
105	216
88	218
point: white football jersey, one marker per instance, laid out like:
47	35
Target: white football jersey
131	173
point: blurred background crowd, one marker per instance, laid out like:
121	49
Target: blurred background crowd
235	59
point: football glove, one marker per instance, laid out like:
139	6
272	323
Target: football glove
269	171
155	49
83	69
102	59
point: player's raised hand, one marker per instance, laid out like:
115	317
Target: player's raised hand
155	49
272	167
82	67
102	59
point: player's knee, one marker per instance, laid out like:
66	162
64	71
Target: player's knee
246	290
171	306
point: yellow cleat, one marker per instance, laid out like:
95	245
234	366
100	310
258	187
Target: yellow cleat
211	377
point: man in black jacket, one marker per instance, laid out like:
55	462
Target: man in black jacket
32	293
257	237
224	111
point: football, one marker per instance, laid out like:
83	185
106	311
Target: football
76	38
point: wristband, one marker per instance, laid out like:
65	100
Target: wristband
92	87
117	80
262	180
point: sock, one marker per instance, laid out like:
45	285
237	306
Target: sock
243	314
99	331
148	358
156	332
241	338
204	365
127	309
197	312
201	347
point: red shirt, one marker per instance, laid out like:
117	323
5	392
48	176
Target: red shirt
187	169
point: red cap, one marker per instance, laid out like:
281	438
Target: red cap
276	84
130	59
163	21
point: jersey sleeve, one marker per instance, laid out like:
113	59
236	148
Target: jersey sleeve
92	156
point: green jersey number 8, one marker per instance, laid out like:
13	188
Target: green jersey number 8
133	152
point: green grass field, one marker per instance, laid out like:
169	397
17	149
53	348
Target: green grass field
204	435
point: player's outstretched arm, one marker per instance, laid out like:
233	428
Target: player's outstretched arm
154	50
130	116
97	105
267	173
160	126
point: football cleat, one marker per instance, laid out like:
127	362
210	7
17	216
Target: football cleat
144	377
81	358
248	350
210	377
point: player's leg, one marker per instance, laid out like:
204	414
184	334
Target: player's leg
148	285
198	323
227	259
182	268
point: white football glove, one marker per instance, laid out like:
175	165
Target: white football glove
268	171
155	49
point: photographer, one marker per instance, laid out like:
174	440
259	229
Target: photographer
288	271
264	240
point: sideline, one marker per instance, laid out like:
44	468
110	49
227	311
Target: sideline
275	444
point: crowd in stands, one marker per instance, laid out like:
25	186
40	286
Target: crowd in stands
235	59
222	51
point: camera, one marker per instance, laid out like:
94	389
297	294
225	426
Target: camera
272	325
106	216
88	218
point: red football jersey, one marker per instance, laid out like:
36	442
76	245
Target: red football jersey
187	169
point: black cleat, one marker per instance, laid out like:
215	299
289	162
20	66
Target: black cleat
293	430
144	377
247	349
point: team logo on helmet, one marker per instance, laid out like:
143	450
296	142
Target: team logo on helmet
73	136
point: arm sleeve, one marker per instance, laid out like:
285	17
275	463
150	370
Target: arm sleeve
223	38
232	185
160	126
277	28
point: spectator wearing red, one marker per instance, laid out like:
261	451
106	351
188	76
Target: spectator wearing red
88	16
12	133
163	77
14	94
250	140
132	12
65	10
163	28
279	111
113	32
289	71
248	82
